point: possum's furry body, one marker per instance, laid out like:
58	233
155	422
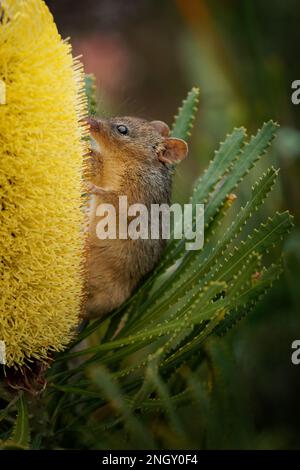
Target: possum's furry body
135	163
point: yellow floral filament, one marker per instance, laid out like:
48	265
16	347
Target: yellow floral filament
41	166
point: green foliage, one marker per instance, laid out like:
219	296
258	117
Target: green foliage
153	355
184	120
20	435
90	90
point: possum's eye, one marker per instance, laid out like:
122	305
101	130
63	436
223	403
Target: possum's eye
122	129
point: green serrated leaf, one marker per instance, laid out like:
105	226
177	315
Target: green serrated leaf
90	90
191	275
20	437
247	301
113	394
184	120
221	165
252	152
21	432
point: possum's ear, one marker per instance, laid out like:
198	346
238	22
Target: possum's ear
161	127
174	151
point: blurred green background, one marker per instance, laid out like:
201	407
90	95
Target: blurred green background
243	55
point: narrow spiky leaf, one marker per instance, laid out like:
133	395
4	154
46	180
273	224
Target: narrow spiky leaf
90	90
183	122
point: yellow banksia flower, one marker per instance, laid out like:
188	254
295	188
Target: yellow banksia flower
41	165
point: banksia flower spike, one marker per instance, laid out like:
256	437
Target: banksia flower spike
41	165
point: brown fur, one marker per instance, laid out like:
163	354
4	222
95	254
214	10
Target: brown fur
131	165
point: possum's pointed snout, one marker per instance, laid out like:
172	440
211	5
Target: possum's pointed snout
94	124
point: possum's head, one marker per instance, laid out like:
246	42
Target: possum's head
136	141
